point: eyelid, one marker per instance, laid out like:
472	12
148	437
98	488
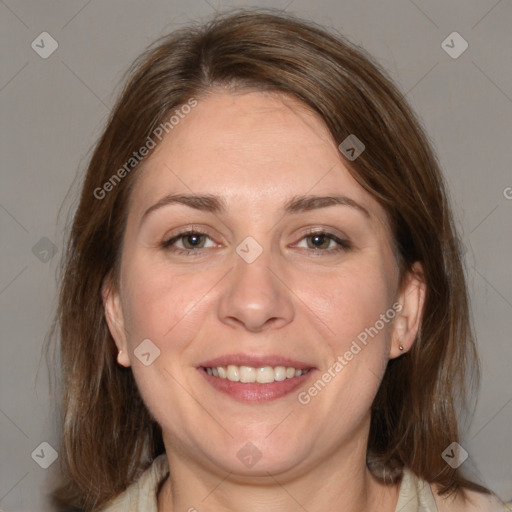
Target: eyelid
184	230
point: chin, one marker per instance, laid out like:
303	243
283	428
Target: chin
258	456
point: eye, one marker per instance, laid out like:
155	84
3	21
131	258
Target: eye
192	242
322	241
188	242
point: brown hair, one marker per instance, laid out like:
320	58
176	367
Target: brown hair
108	436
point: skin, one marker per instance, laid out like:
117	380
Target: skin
256	151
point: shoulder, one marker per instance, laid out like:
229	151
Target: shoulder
468	501
143	493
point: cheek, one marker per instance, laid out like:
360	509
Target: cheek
356	306
162	306
349	303
167	309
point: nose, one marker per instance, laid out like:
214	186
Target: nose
256	296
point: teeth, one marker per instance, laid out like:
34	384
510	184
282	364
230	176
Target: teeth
280	373
265	375
248	374
233	373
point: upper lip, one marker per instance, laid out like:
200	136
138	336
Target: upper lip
254	361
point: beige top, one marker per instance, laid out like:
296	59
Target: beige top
415	495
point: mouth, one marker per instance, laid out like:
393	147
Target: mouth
250	374
249	379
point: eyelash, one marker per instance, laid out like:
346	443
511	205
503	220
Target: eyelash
343	245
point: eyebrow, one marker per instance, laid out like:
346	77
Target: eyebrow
307	203
215	204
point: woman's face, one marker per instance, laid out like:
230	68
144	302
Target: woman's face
249	244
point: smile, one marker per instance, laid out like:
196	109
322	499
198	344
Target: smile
255	384
249	374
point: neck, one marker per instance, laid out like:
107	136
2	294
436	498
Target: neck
342	483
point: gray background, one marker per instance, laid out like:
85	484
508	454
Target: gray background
53	109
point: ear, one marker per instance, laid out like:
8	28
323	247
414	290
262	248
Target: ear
115	319
408	320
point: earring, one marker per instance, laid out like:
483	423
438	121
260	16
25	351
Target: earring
400	348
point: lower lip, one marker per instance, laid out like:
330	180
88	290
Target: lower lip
256	392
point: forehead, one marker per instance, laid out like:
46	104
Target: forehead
249	146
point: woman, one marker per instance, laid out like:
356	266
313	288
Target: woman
263	305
